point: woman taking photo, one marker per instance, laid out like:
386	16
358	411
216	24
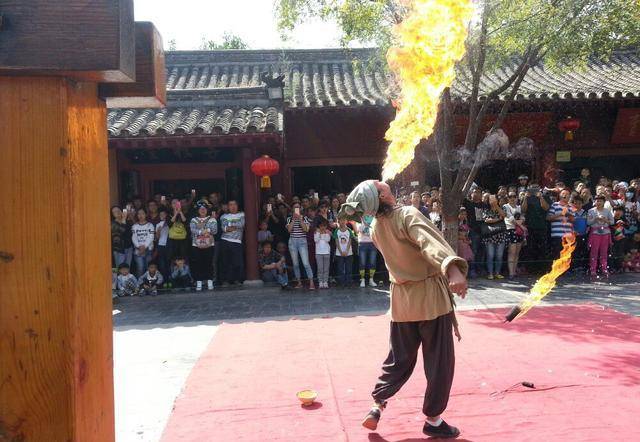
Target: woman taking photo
121	244
298	226
178	243
514	222
142	236
494	237
203	228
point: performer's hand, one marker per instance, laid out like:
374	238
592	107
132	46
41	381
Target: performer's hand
457	281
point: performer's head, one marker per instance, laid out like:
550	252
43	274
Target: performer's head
385	196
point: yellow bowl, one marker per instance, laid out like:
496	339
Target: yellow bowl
307	397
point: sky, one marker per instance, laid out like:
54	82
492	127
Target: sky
187	21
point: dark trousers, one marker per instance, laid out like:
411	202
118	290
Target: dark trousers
536	253
436	338
344	269
164	261
232	259
201	263
580	259
478	253
178	248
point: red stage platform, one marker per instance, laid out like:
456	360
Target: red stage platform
584	361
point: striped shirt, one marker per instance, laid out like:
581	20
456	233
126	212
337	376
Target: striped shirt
297	231
561	226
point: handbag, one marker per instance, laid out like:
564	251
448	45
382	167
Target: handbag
487	230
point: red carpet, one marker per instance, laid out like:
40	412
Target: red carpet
584	360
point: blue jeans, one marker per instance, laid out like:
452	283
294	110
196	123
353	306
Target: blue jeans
494	257
142	262
344	273
368	254
119	258
273	275
299	246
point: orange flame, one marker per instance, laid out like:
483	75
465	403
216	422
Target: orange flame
547	282
432	39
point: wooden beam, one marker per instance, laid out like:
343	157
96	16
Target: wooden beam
56	355
88	40
149	89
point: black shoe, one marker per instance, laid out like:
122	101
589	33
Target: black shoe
444	430
370	421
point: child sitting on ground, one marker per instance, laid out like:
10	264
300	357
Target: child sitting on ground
632	261
150	280
180	274
126	284
322	238
273	267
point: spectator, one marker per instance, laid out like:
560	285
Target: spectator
232	249
180	274
121	244
273	267
343	236
324	214
514	222
153	215
523	183
264	234
203	228
494	237
367	251
599	219
177	242
534	207
436	214
561	216
475	209
335	207
162	236
580	228
618	248
416	201
322	239
149	282
298	225
126	284
142	237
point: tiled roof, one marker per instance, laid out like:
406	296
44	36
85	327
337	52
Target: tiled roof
327	77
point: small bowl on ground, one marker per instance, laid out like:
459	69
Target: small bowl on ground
307	397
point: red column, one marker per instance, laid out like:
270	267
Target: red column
250	193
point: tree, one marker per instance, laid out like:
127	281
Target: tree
561	34
229	41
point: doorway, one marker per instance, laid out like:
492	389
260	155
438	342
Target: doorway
332	179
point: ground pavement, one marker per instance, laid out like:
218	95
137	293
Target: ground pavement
157	340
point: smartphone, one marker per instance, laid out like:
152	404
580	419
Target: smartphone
296	210
163	198
315	195
178	205
279	197
193	191
269	208
124	212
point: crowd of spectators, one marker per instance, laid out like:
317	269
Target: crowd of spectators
199	241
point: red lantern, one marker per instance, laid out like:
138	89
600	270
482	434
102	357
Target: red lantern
264	167
569	125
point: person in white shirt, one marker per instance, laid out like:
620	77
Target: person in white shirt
142	236
367	251
344	237
232	250
322	238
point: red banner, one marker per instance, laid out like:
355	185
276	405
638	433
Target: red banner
534	125
627	128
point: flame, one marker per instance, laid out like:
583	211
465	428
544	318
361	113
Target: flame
547	282
432	39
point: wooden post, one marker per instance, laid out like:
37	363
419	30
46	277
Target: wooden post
56	356
250	189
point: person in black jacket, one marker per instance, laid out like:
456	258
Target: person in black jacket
121	244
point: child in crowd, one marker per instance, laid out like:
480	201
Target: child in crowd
180	274
632	261
264	234
322	239
162	236
150	280
273	267
343	237
127	284
619	240
580	228
367	251
464	243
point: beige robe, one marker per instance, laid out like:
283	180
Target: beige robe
417	256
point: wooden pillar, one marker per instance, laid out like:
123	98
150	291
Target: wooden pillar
56	356
250	190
